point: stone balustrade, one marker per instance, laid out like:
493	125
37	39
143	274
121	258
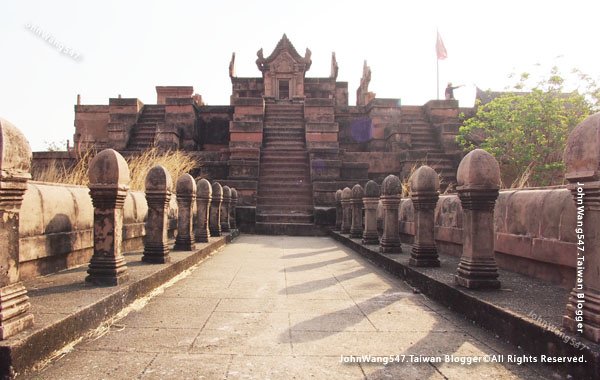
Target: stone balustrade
424	184
108	177
15	171
370	202
346	211
390	200
356	202
158	195
215	209
186	198
203	207
225	206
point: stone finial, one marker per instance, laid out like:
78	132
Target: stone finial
225	226
478	180
186	196
15	154
372	190
108	177
356	228
391	186
582	151
390	200
346	211
15	167
203	201
370	202
478	170
424	184
158	195
233	209
338	210
582	161
215	209
109	168
424	179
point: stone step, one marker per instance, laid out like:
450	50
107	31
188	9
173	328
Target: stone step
290	229
284	218
285	208
284	199
269	163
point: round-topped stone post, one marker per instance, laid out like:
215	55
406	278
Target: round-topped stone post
225	205
215	209
390	200
346	211
370	201
582	162
15	168
186	197
478	179
158	195
356	229
233	210
108	177
203	200
424	184
338	210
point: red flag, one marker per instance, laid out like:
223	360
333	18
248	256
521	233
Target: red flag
440	49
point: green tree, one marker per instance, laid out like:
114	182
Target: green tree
527	131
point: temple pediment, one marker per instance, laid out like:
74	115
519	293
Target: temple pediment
284	58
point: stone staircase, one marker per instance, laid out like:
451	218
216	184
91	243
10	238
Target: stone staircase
285	202
143	133
425	146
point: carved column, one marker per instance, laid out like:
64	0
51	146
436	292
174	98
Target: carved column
215	210
346	211
109	177
225	204
582	161
232	209
356	229
370	201
338	210
158	195
186	197
203	200
390	200
478	180
424	185
15	167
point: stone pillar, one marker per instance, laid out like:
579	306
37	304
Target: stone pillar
582	159
424	184
338	210
203	200
158	195
370	201
225	205
186	197
478	178
232	209
215	210
15	168
390	200
356	229
346	211
109	177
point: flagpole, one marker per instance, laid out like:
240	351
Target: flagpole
437	71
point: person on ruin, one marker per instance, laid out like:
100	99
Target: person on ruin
450	91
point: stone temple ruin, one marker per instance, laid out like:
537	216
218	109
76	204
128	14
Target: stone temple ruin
286	141
344	179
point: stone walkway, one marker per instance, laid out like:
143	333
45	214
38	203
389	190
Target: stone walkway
278	307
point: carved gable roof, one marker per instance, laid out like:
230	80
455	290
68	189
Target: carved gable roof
283	46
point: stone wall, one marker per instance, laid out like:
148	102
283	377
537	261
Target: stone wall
56	224
534	231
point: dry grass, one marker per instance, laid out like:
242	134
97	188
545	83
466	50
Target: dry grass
176	163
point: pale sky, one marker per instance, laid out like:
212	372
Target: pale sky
129	47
